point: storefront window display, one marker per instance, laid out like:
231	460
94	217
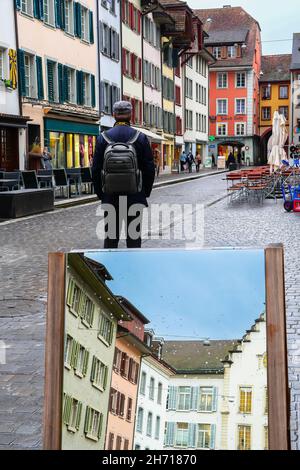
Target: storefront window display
71	150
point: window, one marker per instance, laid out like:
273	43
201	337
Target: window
110	444
27	7
129	409
240	106
188	88
84	23
221	129
222	80
118	443
81	359
106	329
117	360
189	62
149	424
182	435
284	110
217	52
139	422
71	413
244	437
159	393
99	374
114	46
206	399
87	311
266	92
188	119
222	107
73	297
184	398
204	436
151	388
240	79
49	11
69	16
86	89
266	438
240	128
157	427
231	52
266	113
29	76
126	444
245	400
106	97
283	92
93	423
105	42
71	87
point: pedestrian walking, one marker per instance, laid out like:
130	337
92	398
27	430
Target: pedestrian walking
46	159
190	161
123	175
198	162
182	161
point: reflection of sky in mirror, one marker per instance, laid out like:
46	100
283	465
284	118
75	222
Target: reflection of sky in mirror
213	294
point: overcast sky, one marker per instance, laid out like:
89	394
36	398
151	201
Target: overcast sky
277	20
191	294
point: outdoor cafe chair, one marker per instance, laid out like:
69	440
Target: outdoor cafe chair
29	179
9	180
61	181
74	178
45	178
86	179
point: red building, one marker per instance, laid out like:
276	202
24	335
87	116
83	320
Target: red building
234	40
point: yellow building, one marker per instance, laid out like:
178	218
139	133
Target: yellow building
275	85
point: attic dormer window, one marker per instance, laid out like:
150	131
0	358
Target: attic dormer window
217	52
231	52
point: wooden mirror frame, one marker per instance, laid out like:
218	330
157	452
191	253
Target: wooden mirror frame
278	392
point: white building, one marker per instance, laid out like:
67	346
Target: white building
110	59
244	404
152	402
12	125
218	397
295	92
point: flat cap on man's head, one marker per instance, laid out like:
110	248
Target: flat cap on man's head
122	108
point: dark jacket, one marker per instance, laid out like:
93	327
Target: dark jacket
123	133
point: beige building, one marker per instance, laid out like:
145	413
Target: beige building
57	61
91	319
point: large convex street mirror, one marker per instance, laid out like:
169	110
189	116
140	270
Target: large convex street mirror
163	350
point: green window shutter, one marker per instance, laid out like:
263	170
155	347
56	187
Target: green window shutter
70	291
62	15
36	9
194	398
78	415
61	88
67	409
91	18
93	91
87	419
212	436
192	435
77	19
21	70
85	362
41	7
50	78
105	378
93	369
100	426
57	13
79	86
39	75
18	4
74	354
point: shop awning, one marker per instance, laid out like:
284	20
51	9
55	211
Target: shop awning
13	120
71	127
152	136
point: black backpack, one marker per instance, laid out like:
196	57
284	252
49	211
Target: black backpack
121	173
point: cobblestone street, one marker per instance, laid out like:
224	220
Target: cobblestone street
24	245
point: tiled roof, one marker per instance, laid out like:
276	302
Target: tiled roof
179	16
296	52
195	356
276	68
231	25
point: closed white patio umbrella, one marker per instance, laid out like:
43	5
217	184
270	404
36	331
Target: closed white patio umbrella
274	159
283	137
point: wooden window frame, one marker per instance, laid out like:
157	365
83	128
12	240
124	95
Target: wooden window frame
278	399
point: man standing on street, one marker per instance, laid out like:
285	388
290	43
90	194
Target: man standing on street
122	133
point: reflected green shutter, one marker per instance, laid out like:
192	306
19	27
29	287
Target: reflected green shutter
78	415
93	369
100	426
93	91
85	362
70	292
39	75
92	315
105	377
61	90
67	409
87	419
21	70
91	16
